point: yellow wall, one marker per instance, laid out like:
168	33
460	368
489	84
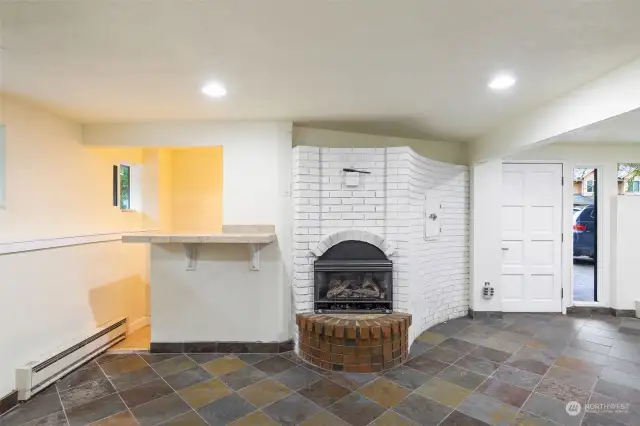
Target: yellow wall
165	185
196	190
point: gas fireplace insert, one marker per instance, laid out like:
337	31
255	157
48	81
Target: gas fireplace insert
353	276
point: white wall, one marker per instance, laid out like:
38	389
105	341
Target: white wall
56	188
439	277
486	204
486	233
222	300
448	152
625	238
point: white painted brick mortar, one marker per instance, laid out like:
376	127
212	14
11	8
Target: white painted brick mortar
431	278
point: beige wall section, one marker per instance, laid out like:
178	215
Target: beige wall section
57	187
196	189
165	183
156	183
449	152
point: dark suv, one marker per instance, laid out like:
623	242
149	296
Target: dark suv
584	232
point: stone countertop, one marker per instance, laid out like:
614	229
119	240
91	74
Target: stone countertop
162	238
231	234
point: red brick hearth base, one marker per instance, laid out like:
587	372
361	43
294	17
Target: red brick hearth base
354	343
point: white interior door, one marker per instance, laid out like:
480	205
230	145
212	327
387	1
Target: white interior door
531	238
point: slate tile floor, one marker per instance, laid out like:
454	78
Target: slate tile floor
521	370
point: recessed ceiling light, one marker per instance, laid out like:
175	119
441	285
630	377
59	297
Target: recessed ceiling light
502	82
215	90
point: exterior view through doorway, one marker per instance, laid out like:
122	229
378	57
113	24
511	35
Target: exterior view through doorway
585	235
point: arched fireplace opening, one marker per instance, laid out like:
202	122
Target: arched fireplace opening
353	276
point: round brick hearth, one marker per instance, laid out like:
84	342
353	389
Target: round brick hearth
354	343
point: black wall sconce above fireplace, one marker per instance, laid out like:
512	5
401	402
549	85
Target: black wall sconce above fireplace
353	277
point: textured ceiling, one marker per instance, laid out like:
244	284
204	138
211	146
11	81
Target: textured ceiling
414	68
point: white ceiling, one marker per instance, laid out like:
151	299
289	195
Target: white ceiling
415	68
623	128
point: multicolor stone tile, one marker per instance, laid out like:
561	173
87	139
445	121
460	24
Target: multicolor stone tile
421	410
357	410
407	377
384	392
518	371
442	354
488	410
226	410
324	418
324	392
226	365
480	366
291	410
561	391
517	377
265	392
505	392
462	377
205	393
426	365
551	409
444	392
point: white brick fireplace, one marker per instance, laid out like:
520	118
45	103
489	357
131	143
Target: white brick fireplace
385	208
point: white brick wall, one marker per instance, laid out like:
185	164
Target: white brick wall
431	278
439	268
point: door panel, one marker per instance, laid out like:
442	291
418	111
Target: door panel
531	238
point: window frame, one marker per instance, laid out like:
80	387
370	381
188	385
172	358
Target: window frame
588	184
121	167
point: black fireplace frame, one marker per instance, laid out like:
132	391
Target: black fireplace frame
353	256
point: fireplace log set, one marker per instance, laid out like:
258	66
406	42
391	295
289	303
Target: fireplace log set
346	289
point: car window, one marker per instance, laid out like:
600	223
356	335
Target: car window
593	214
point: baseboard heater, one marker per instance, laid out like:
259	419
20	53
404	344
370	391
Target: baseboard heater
39	374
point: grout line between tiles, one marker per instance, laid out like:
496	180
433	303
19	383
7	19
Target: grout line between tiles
541	380
175	391
117	393
64	410
232	390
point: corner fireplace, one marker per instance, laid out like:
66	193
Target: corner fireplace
353	276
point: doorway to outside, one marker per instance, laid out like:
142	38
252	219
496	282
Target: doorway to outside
585	234
531	238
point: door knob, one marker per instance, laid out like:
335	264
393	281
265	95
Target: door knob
505	248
